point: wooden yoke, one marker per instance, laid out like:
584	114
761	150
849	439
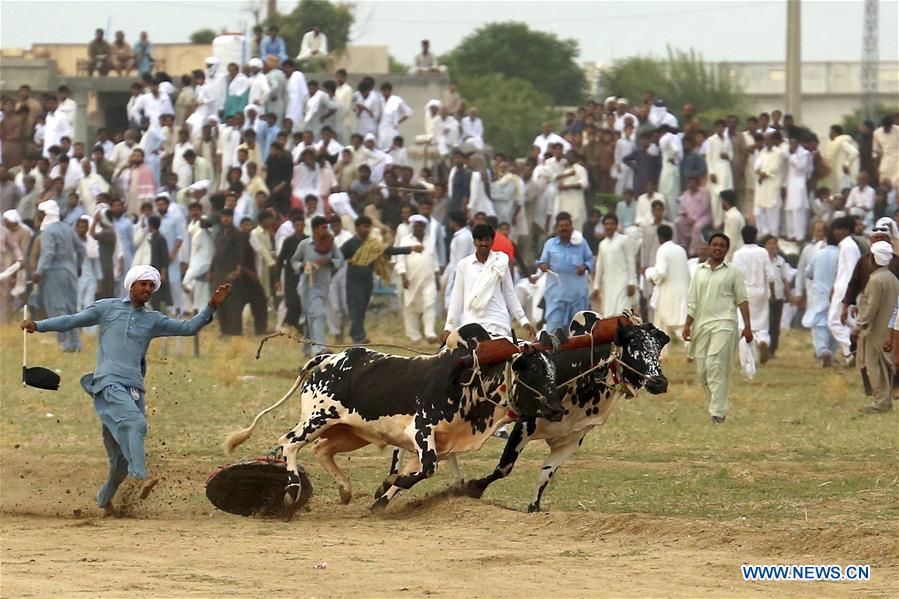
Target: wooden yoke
496	351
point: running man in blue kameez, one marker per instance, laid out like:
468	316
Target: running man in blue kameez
117	385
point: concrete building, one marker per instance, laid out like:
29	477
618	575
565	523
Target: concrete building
830	90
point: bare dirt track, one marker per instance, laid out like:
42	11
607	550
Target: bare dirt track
441	546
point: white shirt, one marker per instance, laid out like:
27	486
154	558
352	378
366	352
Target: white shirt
846	259
259	89
502	305
461	245
312	42
367	123
472	127
153	106
754	263
393	109
56	126
543	141
861	201
644	208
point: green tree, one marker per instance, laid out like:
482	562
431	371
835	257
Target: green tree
851	122
395	67
203	36
335	20
512	110
514	51
680	78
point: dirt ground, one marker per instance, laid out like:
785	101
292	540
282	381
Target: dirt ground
441	545
656	504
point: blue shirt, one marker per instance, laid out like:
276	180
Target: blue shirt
822	271
627	214
273	46
564	259
125	335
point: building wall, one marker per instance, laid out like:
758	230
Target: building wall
177	59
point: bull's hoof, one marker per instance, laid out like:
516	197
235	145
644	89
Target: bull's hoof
379	506
346	495
388	482
474	489
533	508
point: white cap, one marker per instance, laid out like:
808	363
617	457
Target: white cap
369	136
255	63
418	218
202	184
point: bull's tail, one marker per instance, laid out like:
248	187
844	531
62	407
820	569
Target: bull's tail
238	437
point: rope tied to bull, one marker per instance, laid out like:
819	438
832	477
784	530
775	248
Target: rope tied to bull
304	341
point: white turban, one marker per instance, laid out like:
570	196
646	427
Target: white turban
886	225
201	185
418	218
142	272
255	63
51	213
433	103
883	252
12	217
212	60
369	137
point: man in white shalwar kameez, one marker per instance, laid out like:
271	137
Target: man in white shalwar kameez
570	186
344	97
419	275
461	245
669	180
483	291
297	94
886	151
615	276
259	87
769	169
672	284
848	255
623	174
394	111
229	140
718	157
196	278
734	221
799	167
217	84
367	107
758	274
842	156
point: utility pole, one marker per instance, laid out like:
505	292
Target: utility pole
794	60
869	60
271	8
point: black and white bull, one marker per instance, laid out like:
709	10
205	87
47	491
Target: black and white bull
432	406
629	365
